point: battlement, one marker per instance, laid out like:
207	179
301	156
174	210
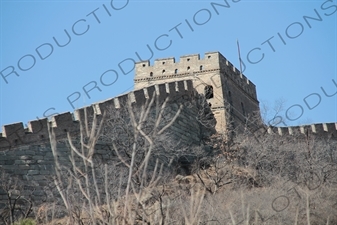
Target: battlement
14	135
188	67
325	130
168	66
174	79
228	99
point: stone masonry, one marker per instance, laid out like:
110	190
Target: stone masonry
26	152
234	97
231	97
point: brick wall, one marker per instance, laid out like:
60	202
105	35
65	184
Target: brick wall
28	155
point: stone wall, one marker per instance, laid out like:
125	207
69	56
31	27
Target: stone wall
234	95
189	66
26	152
323	130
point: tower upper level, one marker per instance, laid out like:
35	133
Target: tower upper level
189	66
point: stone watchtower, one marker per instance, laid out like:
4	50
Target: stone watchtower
230	94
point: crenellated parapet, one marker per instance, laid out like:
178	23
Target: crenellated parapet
237	77
213	76
216	98
36	132
323	130
27	153
189	66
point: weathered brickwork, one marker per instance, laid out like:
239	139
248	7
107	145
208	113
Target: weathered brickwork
26	152
234	96
231	99
323	130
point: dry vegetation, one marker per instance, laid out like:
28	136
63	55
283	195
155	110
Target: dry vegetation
252	179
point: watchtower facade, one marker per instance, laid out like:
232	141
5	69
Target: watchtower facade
230	94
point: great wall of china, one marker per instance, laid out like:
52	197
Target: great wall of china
230	96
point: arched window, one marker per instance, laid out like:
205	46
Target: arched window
208	91
175	71
201	67
163	72
188	68
151	74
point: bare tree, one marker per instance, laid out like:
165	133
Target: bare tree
19	203
140	145
257	178
271	114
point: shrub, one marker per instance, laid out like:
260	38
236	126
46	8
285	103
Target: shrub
25	222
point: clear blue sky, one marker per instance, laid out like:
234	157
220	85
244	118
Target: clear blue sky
299	59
